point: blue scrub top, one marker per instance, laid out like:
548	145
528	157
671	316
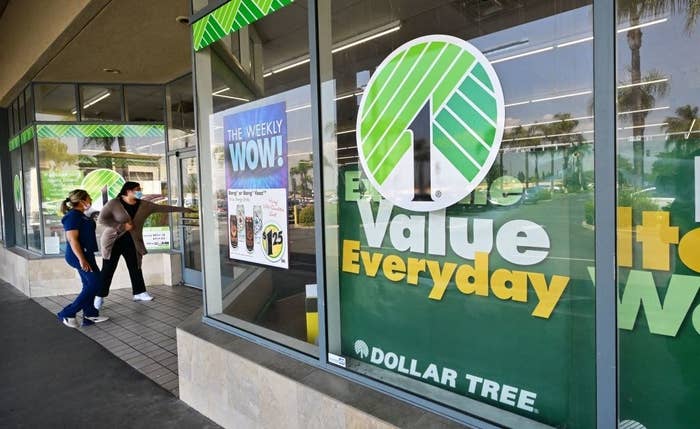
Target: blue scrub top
76	220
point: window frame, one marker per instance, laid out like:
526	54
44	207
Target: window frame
76	105
122	105
125	104
606	338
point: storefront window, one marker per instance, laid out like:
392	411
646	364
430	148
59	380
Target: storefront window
101	103
180	101
55	102
256	115
145	103
658	189
100	161
18	198
31	196
457	269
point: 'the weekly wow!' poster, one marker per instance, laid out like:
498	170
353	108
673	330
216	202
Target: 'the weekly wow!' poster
256	181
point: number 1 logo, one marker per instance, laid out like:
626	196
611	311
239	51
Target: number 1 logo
433	108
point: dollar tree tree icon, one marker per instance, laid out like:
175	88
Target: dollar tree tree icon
430	123
631	424
361	349
102	185
17	193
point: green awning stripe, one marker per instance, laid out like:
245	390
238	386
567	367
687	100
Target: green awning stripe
231	17
25	136
102	131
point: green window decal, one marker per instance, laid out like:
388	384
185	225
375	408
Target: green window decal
17	191
24	137
58	131
231	17
433	107
103	184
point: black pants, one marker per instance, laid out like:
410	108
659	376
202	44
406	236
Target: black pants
124	246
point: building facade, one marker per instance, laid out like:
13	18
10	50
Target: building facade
482	212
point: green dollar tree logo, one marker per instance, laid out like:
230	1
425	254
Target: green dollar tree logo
103	185
17	189
434	108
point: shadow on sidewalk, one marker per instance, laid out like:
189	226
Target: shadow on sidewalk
53	376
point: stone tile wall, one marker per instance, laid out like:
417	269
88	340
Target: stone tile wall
239	384
52	276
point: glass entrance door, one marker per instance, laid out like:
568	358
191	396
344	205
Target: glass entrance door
189	223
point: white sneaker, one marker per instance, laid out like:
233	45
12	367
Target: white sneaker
69	321
97	319
98	302
143	296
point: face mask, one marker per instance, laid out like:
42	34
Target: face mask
138	195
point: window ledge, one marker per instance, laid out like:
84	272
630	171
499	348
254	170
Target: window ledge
237	382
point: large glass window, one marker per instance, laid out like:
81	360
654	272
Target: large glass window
256	115
480	300
658	189
31	196
101	164
101	103
145	103
180	101
55	102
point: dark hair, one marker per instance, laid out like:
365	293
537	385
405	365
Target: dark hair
128	186
75	197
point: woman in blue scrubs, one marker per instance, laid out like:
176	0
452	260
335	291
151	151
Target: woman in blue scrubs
80	254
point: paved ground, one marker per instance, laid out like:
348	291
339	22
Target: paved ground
55	377
141	333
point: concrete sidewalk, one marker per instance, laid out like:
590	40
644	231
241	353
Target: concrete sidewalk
141	333
52	376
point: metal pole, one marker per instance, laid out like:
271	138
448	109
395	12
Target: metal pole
605	213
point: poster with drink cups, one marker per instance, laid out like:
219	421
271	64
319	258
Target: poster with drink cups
256	177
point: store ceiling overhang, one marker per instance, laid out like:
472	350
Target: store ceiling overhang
141	39
3	5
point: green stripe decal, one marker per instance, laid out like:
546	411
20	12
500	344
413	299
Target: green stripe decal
231	17
452	130
404	109
451	149
14	143
479	96
458	107
105	131
480	74
26	136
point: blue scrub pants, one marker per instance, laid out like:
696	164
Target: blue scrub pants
92	283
